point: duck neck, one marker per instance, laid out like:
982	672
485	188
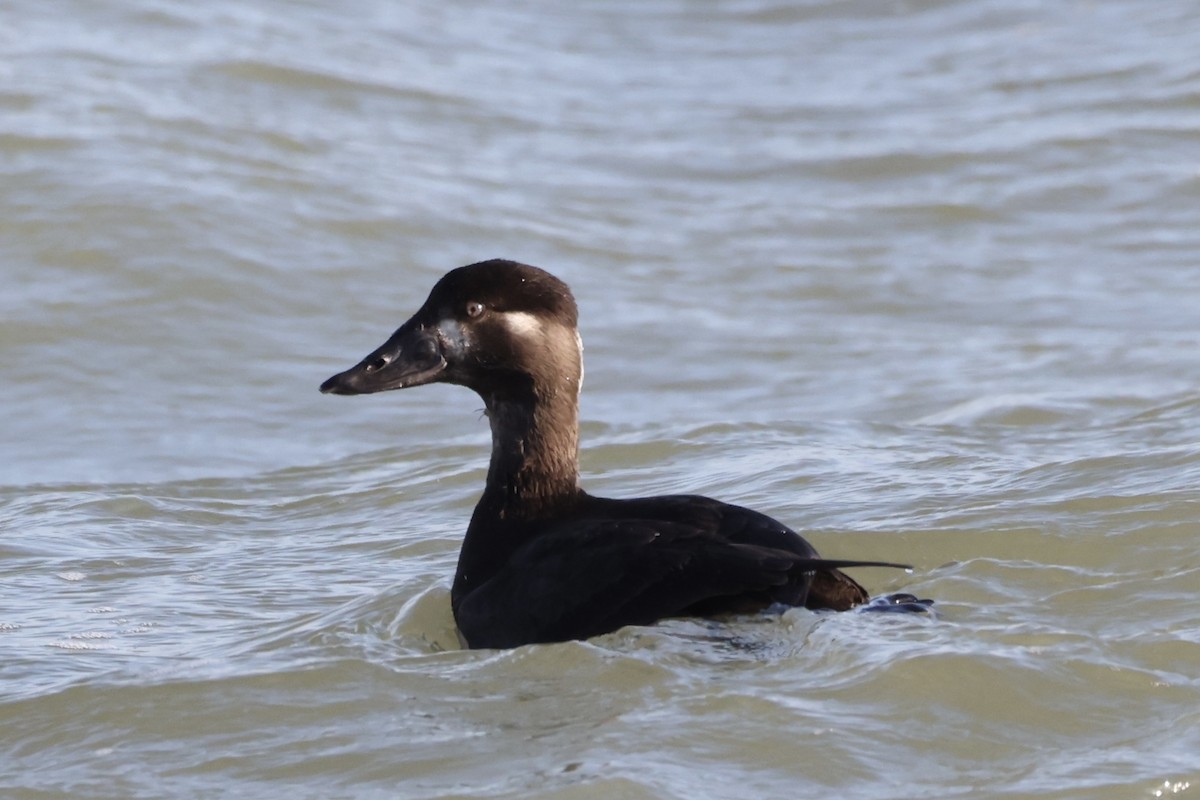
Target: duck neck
535	452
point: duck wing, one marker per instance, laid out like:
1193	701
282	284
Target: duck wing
829	587
591	576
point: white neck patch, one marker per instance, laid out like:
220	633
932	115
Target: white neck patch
522	323
579	344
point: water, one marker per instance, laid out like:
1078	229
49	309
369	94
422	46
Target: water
918	278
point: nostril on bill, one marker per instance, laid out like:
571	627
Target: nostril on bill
378	363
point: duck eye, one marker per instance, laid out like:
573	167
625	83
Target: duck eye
474	309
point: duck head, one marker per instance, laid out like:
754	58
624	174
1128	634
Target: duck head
497	327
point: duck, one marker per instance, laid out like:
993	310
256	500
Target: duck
542	560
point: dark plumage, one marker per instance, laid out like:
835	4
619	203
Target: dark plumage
544	561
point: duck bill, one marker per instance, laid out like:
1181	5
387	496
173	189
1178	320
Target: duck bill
411	357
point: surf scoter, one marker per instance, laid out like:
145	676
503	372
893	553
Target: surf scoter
543	561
